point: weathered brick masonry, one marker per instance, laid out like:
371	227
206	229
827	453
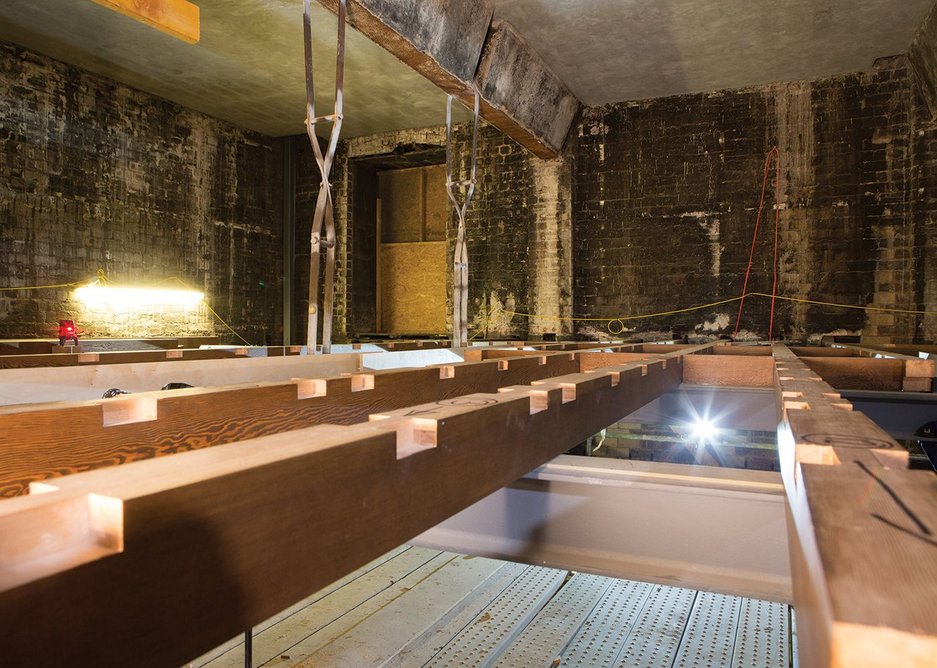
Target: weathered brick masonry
652	207
665	193
94	174
518	232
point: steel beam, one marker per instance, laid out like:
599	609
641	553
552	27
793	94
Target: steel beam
700	527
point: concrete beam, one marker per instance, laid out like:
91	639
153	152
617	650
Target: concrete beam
521	95
454	45
440	39
923	56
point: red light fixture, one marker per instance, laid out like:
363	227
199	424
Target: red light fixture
67	332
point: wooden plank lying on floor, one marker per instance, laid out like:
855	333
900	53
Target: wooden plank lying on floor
183	552
822	351
372	633
381	567
861	531
732	370
108	432
911	349
325	622
178	18
729	370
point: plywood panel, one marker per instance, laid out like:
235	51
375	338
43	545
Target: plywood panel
413	287
436	203
401	192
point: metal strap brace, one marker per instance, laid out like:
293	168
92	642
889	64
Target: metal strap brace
460	259
324	206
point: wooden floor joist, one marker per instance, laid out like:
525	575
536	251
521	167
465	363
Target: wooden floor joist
862	531
225	536
107	432
182	552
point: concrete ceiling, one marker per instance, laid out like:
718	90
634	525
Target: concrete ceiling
615	50
248	67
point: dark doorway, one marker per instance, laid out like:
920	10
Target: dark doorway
400	257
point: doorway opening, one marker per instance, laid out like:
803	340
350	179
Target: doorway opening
400	215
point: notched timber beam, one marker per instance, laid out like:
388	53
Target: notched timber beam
108	432
917	374
454	45
31	361
206	543
178	18
862	531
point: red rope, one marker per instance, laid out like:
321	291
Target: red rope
774	153
777	227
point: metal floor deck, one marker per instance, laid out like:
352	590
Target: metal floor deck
421	607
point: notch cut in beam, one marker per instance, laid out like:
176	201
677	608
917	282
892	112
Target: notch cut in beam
282	516
860	529
178	18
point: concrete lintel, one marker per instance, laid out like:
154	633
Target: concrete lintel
521	95
454	44
440	39
923	56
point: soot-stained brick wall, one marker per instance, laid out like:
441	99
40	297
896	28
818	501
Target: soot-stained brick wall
519	227
96	175
666	192
924	214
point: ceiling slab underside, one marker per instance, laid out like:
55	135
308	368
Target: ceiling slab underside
248	66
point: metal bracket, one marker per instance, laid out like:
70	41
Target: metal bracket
460	259
324	212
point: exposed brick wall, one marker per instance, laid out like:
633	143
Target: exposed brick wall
924	212
94	174
518	232
923	56
655	203
665	193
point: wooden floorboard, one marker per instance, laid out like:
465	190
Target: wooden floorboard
419	607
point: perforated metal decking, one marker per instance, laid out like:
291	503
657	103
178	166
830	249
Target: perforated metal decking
419	607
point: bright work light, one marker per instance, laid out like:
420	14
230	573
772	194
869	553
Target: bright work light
130	299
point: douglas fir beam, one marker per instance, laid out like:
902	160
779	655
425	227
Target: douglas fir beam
862	531
180	553
918	373
107	432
